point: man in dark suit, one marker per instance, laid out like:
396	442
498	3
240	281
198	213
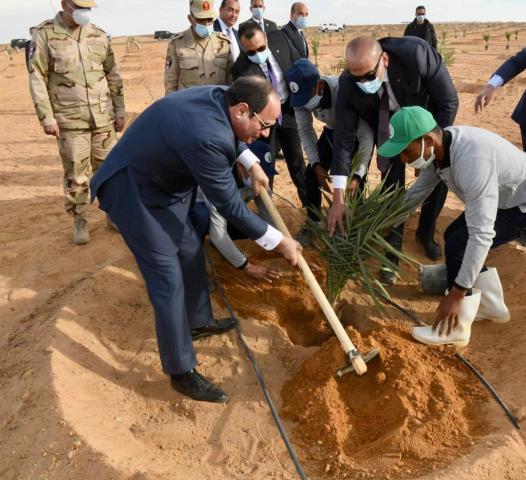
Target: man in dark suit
147	186
270	56
506	72
257	7
383	76
421	27
228	15
294	30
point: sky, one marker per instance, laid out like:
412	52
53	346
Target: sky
133	17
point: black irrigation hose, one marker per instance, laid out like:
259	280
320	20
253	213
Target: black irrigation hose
513	419
259	375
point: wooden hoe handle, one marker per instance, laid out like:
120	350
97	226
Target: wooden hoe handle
346	343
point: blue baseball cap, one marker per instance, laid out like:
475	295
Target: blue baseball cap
261	150
302	77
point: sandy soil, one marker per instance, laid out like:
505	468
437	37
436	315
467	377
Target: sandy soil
83	395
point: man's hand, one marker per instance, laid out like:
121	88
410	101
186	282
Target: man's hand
52	130
352	188
335	216
261	273
259	178
484	97
290	249
323	177
120	122
448	311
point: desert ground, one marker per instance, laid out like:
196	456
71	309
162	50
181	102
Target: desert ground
83	394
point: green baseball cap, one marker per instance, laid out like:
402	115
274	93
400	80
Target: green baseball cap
406	125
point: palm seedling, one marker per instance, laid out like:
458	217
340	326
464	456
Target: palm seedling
362	250
315	47
508	36
485	37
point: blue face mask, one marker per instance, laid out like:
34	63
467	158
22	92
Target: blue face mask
313	103
260	57
420	18
300	22
257	12
370	87
203	31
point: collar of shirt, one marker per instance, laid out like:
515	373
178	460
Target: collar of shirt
260	22
283	90
394	106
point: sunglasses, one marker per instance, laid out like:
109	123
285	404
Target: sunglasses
262	124
258	50
369	76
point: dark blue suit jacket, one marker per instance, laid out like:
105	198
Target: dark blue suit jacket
296	39
417	76
183	140
510	69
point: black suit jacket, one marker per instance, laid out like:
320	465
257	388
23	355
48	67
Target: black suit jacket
270	26
510	69
285	55
217	28
298	41
417	77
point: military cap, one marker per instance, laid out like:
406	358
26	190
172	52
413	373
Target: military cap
85	3
202	8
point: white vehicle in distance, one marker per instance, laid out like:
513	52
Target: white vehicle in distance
331	27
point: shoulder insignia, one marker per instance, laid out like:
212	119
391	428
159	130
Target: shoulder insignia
175	36
222	36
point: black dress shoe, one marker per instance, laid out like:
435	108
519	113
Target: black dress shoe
431	247
194	385
215	327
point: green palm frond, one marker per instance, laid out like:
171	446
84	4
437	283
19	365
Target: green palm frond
362	250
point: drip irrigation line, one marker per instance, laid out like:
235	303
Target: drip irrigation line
513	419
258	373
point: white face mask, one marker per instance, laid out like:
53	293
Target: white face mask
81	16
421	162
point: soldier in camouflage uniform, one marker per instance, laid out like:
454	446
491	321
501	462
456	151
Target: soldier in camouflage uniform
199	55
78	97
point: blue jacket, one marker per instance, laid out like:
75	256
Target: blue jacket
510	69
183	140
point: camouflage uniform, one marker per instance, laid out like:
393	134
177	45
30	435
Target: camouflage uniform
74	83
192	61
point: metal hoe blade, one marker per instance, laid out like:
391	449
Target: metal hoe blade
349	368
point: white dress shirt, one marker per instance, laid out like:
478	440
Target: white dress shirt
283	90
229	32
260	22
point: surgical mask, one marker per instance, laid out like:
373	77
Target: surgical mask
260	57
203	31
420	18
257	12
81	16
370	87
300	22
313	103
421	162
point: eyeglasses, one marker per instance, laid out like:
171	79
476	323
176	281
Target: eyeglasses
262	124
369	76
258	50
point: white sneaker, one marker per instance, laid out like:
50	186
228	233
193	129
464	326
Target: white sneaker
460	334
492	306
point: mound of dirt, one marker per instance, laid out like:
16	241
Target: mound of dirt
414	410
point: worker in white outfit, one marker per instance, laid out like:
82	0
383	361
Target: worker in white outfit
488	174
314	96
